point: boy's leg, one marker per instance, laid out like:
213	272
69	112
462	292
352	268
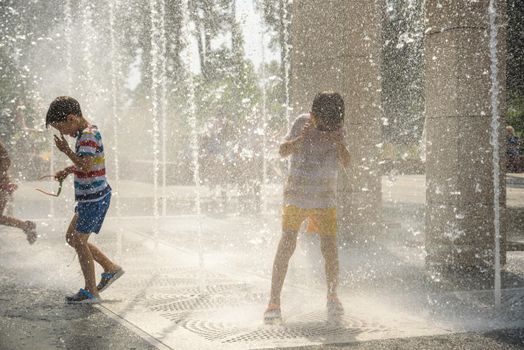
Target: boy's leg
86	261
329	248
98	256
286	247
70	238
102	259
79	242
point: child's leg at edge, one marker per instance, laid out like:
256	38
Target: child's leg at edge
286	248
329	248
7	220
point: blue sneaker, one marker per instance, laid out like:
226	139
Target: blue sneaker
82	297
108	278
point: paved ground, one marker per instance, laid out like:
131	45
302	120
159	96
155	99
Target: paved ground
202	283
36	318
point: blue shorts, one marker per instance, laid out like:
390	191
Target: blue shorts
91	215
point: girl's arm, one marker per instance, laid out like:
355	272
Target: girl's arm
343	155
290	147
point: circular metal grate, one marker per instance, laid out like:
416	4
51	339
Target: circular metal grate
315	330
212	331
309	328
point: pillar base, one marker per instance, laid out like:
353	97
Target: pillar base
462	257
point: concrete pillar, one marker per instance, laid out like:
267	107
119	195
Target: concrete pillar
336	46
459	178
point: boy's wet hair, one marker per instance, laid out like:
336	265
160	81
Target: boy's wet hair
60	108
329	108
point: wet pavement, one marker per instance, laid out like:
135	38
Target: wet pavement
37	318
203	283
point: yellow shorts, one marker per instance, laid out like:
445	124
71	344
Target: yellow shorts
320	220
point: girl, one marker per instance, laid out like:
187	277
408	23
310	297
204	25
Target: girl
6	190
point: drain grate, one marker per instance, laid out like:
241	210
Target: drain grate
159	281
163	281
184	272
512	306
206	302
152	301
309	328
212	331
311	331
177	317
195	297
173	294
350	322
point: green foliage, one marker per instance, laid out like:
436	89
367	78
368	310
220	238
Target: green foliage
515	113
230	90
211	18
277	17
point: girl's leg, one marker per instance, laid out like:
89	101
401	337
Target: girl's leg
329	248
286	248
10	221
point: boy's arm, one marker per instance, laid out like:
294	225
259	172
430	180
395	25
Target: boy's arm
62	174
82	163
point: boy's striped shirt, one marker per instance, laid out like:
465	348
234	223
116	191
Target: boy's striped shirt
92	185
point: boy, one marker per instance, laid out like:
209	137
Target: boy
316	145
6	190
92	193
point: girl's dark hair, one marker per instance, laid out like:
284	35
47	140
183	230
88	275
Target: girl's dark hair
329	107
60	108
